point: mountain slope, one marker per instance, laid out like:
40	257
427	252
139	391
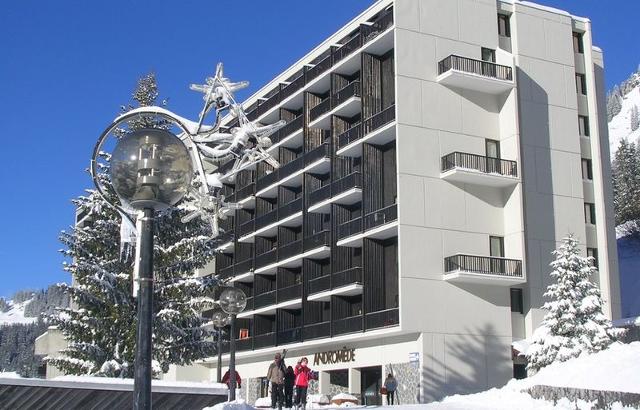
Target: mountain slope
623	103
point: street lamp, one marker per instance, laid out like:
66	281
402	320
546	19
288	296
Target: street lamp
151	170
232	301
220	319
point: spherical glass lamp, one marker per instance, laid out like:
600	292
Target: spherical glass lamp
233	301
151	168
220	319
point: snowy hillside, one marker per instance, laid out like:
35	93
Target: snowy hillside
627	100
15	314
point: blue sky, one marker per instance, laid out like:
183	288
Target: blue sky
67	66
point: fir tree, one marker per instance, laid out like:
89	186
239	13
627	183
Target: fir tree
634	118
626	183
574	322
614	103
101	328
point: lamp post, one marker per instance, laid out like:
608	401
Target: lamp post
220	319
232	301
151	170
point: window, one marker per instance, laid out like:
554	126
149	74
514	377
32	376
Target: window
496	251
516	301
581	84
488	54
593	253
519	371
492	148
583	125
504	28
587	170
496	246
589	213
577	43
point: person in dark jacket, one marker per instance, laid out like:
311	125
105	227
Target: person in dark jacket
303	375
226	379
289	379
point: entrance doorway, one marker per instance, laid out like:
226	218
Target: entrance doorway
370	383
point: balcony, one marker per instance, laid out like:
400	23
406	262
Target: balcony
378	129
266	258
382	319
267	225
316	330
483	270
290	136
351	324
380	224
376	38
344	191
470	74
289	250
247	227
344	283
479	170
268	303
267	219
243	271
264	299
317	240
290	255
316	161
245	196
291	173
225	241
290	293
287	336
345	103
244	344
264	340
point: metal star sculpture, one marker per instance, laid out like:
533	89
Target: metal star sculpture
209	145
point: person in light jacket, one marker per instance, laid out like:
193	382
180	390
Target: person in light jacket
391	384
303	375
275	375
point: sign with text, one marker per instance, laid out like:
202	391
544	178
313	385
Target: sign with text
343	355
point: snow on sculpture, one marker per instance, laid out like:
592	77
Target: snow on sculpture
209	146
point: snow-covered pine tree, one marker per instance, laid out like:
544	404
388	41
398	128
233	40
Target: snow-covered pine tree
574	322
101	326
634	118
614	103
626	183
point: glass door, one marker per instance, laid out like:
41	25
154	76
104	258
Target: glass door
370	382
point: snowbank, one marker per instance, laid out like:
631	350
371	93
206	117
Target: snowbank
232	405
614	369
9	375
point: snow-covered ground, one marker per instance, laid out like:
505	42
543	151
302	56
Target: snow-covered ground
614	369
620	125
15	315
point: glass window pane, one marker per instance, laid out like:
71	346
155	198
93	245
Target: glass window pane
496	244
492	148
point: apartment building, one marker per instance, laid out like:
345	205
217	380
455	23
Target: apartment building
435	153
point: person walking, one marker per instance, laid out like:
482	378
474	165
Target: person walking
390	384
226	379
303	375
289	380
275	375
